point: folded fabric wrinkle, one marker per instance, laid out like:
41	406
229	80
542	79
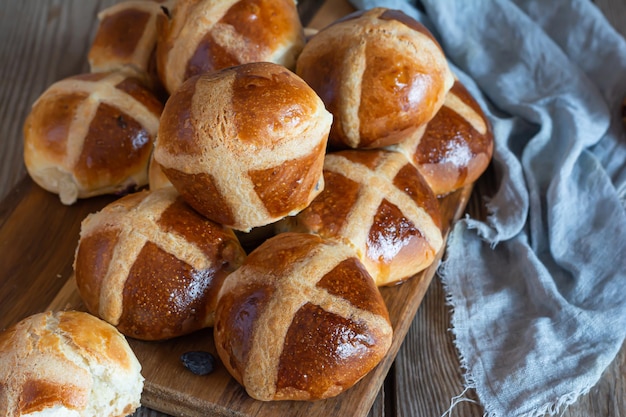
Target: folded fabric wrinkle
536	288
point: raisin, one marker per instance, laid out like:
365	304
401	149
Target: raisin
198	362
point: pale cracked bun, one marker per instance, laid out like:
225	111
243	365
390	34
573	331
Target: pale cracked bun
152	266
378	201
300	320
67	364
197	36
380	73
245	146
92	134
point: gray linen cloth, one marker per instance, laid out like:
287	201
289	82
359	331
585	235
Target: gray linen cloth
537	290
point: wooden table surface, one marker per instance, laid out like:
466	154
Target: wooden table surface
46	40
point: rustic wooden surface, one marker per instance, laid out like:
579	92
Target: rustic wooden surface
46	40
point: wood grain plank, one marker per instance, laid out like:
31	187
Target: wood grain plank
37	240
427	370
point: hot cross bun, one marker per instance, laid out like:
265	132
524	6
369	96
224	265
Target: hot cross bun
380	73
92	134
245	146
300	320
69	364
455	147
152	266
197	36
126	35
378	202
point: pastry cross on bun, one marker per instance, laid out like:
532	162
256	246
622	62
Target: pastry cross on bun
92	134
380	73
67	364
198	36
152	266
378	202
455	147
126	35
300	320
244	146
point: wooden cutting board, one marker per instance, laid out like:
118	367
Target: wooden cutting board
38	236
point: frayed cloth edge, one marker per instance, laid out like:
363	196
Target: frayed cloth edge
468	379
469	383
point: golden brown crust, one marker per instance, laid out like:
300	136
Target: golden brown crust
67	359
455	148
91	134
116	40
200	36
152	266
141	94
378	201
245	146
300	320
380	73
126	36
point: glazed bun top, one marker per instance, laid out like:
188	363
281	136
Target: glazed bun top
380	73
198	36
126	35
92	134
245	146
455	147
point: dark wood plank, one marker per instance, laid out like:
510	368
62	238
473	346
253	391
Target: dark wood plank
37	240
